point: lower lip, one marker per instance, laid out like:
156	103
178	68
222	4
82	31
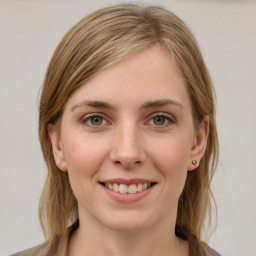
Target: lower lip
128	198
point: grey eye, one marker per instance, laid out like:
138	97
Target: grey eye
96	120
159	120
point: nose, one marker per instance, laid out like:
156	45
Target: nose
128	149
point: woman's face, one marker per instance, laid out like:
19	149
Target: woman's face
127	141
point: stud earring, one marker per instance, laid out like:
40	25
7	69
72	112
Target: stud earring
194	162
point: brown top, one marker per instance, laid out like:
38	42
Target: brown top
196	248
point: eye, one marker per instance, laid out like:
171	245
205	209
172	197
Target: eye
161	119
94	120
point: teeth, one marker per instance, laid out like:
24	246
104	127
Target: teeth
116	187
123	188
130	189
144	186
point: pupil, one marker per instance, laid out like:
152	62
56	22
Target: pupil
96	120
159	120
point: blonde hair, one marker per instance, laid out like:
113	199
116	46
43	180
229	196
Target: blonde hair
96	42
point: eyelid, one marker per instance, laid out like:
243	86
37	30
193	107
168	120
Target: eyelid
86	117
168	116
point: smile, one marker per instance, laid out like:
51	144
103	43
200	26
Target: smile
128	189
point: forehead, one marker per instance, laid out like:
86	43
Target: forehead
147	75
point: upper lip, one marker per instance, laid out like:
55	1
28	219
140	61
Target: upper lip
127	181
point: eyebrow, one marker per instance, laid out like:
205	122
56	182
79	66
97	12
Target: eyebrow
90	103
161	103
146	105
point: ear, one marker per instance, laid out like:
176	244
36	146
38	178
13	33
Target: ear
199	144
57	148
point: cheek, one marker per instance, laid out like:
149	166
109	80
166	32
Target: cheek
84	158
82	151
171	159
173	154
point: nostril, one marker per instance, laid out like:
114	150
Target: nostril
128	159
128	164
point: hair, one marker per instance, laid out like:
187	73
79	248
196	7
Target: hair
96	42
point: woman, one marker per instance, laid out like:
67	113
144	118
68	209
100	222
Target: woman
127	129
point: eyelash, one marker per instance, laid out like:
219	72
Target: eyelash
167	118
89	117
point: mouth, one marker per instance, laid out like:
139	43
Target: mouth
127	186
131	188
127	191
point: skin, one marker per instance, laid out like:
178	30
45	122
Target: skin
128	141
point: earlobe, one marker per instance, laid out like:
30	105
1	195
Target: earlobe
199	144
57	148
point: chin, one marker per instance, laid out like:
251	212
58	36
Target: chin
128	222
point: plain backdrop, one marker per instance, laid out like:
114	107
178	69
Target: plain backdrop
29	33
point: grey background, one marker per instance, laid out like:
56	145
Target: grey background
29	33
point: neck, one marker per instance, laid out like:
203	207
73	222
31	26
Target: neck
91	239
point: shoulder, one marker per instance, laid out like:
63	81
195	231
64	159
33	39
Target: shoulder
200	248
40	250
46	249
209	251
